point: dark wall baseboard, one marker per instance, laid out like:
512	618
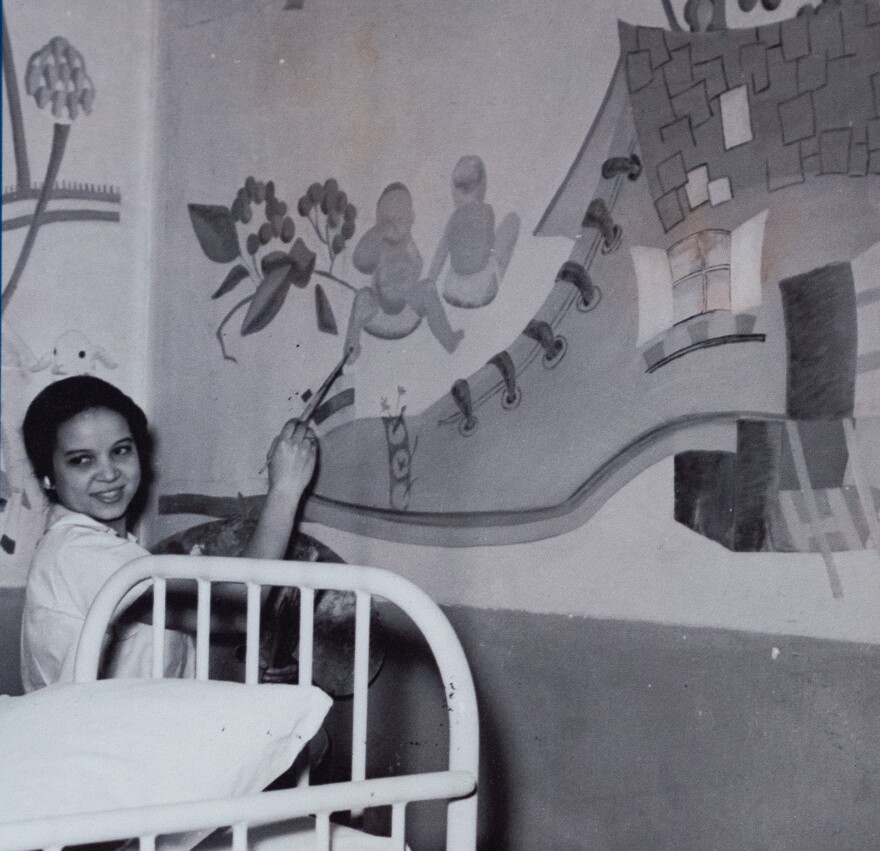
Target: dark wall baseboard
640	737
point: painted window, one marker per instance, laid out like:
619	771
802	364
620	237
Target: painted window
700	266
708	271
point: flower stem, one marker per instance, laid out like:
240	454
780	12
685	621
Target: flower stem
219	333
334	278
314	223
59	140
19	144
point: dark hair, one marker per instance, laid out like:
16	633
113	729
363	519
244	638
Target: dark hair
62	401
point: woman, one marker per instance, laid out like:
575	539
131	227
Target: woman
90	447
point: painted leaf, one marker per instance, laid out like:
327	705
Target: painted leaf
303	263
235	276
326	319
267	301
275	260
215	231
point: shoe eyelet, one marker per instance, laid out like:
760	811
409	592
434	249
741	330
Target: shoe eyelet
510	400
608	247
467	426
587	306
561	345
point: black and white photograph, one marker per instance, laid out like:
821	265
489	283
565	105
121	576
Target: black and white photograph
440	425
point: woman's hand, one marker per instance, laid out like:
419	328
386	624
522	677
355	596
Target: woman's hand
291	462
292	457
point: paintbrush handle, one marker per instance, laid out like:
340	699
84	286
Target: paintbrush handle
316	400
310	408
312	405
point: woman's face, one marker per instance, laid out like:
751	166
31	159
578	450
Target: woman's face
96	464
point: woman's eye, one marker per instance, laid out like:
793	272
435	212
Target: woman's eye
123	450
79	460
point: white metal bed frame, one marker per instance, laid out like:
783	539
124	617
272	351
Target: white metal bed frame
457	784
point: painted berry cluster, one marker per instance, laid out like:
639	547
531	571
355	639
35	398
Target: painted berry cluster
257	233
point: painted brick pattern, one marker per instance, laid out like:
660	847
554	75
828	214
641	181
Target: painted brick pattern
813	88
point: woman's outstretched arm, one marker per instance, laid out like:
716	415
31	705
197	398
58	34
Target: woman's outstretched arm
292	459
291	463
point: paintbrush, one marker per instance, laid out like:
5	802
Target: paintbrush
312	405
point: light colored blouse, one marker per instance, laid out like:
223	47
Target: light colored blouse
74	558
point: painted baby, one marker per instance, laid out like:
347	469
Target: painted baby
398	299
478	254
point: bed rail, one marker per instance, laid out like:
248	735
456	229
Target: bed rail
240	813
457	784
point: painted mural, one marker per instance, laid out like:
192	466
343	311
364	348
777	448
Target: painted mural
397	298
583	302
57	81
697	314
273	272
61	196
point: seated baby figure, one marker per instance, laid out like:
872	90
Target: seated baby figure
478	254
395	304
394	259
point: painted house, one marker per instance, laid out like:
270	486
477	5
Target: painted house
736	130
644	487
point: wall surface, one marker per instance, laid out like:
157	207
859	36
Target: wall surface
630	561
625	735
80	300
409	89
641	685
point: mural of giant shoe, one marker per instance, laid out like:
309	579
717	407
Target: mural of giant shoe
721	304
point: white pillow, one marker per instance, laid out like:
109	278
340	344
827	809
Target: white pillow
84	747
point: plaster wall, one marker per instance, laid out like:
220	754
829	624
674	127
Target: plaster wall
90	277
398	94
631	561
625	735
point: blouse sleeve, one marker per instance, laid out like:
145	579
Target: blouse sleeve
87	558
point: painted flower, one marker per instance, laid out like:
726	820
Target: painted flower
56	78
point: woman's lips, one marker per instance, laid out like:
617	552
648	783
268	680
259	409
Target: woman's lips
109	497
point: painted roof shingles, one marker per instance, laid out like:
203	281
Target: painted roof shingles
801	96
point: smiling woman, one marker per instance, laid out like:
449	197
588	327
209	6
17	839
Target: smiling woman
86	438
90	446
96	466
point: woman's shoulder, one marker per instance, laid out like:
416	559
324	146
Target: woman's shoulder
75	557
61	522
66	528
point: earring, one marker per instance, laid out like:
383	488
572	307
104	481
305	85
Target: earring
47	485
